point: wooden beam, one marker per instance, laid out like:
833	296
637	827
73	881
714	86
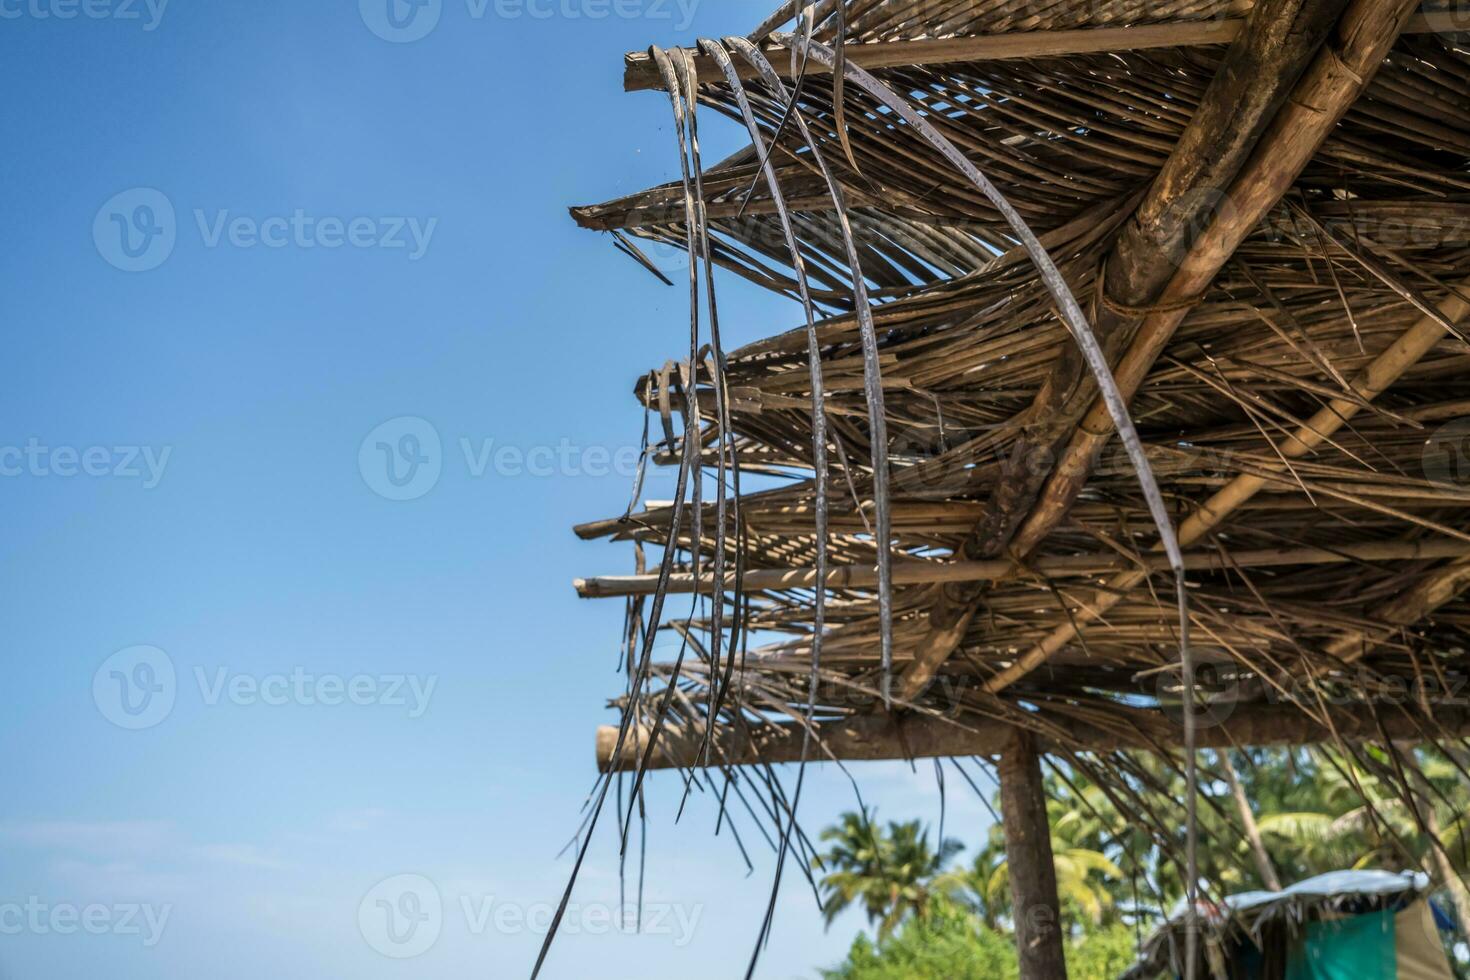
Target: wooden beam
1035	907
871	737
640	73
1001	569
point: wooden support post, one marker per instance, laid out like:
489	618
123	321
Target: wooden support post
1035	906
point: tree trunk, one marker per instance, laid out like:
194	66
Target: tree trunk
1248	822
1424	800
1036	909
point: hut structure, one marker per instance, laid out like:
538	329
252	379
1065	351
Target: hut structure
1367	925
1124	407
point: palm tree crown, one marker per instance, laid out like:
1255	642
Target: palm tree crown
891	874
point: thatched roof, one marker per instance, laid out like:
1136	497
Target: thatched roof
1263	215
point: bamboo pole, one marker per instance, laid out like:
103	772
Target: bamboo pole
1291	137
1002	569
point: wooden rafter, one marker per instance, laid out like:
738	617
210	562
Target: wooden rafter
1328	87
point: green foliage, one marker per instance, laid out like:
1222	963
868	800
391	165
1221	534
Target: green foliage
948	943
1316	809
951	943
1102	955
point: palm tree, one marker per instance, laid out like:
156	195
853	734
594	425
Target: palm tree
1358	821
891	874
1315	810
1083	876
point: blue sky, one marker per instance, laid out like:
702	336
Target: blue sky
258	246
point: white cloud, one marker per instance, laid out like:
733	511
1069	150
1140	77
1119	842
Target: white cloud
125	837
